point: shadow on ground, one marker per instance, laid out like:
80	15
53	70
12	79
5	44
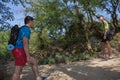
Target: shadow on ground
74	71
90	73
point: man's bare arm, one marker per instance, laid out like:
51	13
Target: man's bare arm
26	46
105	25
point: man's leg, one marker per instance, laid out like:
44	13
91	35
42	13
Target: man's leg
17	72
35	68
103	49
109	48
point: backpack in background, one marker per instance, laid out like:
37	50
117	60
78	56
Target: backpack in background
13	37
111	30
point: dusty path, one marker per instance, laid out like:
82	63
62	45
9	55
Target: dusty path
96	69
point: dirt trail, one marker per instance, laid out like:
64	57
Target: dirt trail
95	69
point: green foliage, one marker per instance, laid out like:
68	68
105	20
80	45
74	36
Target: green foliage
3	45
51	60
96	47
6	14
96	29
62	58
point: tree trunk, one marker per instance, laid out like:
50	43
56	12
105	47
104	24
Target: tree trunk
88	44
90	15
114	18
81	20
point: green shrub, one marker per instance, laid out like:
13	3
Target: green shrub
51	60
62	58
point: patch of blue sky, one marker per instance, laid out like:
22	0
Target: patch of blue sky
19	14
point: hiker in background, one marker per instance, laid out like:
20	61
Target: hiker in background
105	42
21	50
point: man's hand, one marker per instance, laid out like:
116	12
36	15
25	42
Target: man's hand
104	36
29	59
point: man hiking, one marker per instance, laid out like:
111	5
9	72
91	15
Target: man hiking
21	50
105	39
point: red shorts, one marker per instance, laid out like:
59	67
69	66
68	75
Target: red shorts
19	56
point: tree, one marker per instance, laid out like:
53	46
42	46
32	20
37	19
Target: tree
5	15
65	19
82	22
53	15
56	16
112	7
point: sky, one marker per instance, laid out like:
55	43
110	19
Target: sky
19	14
